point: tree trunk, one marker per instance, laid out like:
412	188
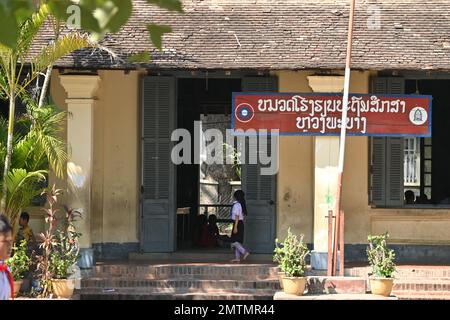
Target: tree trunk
9	148
45	85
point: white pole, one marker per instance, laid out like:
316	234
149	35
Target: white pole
344	121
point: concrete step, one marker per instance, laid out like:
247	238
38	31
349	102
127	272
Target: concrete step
181	283
200	271
321	285
421	295
133	294
216	255
341	296
406	272
421	285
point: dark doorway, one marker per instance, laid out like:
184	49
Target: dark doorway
209	102
434	154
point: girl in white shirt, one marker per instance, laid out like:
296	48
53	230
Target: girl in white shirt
238	211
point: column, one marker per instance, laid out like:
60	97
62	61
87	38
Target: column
326	158
81	90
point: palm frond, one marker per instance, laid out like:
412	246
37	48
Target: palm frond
22	187
55	51
30	29
45	132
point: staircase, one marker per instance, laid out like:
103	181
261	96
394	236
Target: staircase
181	281
415	282
255	280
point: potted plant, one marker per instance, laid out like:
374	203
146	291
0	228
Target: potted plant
19	264
277	255
381	259
291	256
60	250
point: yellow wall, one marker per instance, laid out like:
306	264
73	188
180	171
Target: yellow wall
295	186
295	191
116	173
116	183
115	197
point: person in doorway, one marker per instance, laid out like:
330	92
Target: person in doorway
238	211
210	232
409	197
6	242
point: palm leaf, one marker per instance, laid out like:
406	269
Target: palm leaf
22	187
29	29
55	51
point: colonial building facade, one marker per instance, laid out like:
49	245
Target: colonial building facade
121	117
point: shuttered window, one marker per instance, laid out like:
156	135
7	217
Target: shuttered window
386	167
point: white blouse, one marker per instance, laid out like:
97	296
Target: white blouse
5	290
236	211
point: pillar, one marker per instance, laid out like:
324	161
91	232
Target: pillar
81	91
326	158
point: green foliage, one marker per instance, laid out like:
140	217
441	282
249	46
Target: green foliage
381	258
64	255
12	14
139	57
291	255
235	156
98	17
156	33
20	262
22	187
38	146
172	5
60	248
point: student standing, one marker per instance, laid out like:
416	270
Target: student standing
238	211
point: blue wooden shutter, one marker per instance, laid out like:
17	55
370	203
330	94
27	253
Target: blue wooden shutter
260	190
158	174
386	181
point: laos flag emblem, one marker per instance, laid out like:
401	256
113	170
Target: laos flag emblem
244	112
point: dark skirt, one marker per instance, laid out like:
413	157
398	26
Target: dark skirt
239	236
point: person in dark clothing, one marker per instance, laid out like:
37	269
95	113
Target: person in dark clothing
210	232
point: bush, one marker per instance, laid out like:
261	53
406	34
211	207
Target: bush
20	262
381	258
291	255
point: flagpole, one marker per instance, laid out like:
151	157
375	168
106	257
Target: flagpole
344	114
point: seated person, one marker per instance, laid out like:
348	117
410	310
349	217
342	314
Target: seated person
210	232
200	225
409	197
25	232
423	199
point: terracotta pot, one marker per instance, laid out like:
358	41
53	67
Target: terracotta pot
17	285
294	285
280	278
381	286
63	288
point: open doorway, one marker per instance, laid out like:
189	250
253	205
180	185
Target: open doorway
173	196
204	190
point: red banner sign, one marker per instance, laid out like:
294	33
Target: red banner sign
320	114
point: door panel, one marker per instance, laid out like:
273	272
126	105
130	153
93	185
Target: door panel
260	190
158	174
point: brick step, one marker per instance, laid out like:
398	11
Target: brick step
423	285
406	272
421	295
133	294
181	283
223	255
213	271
